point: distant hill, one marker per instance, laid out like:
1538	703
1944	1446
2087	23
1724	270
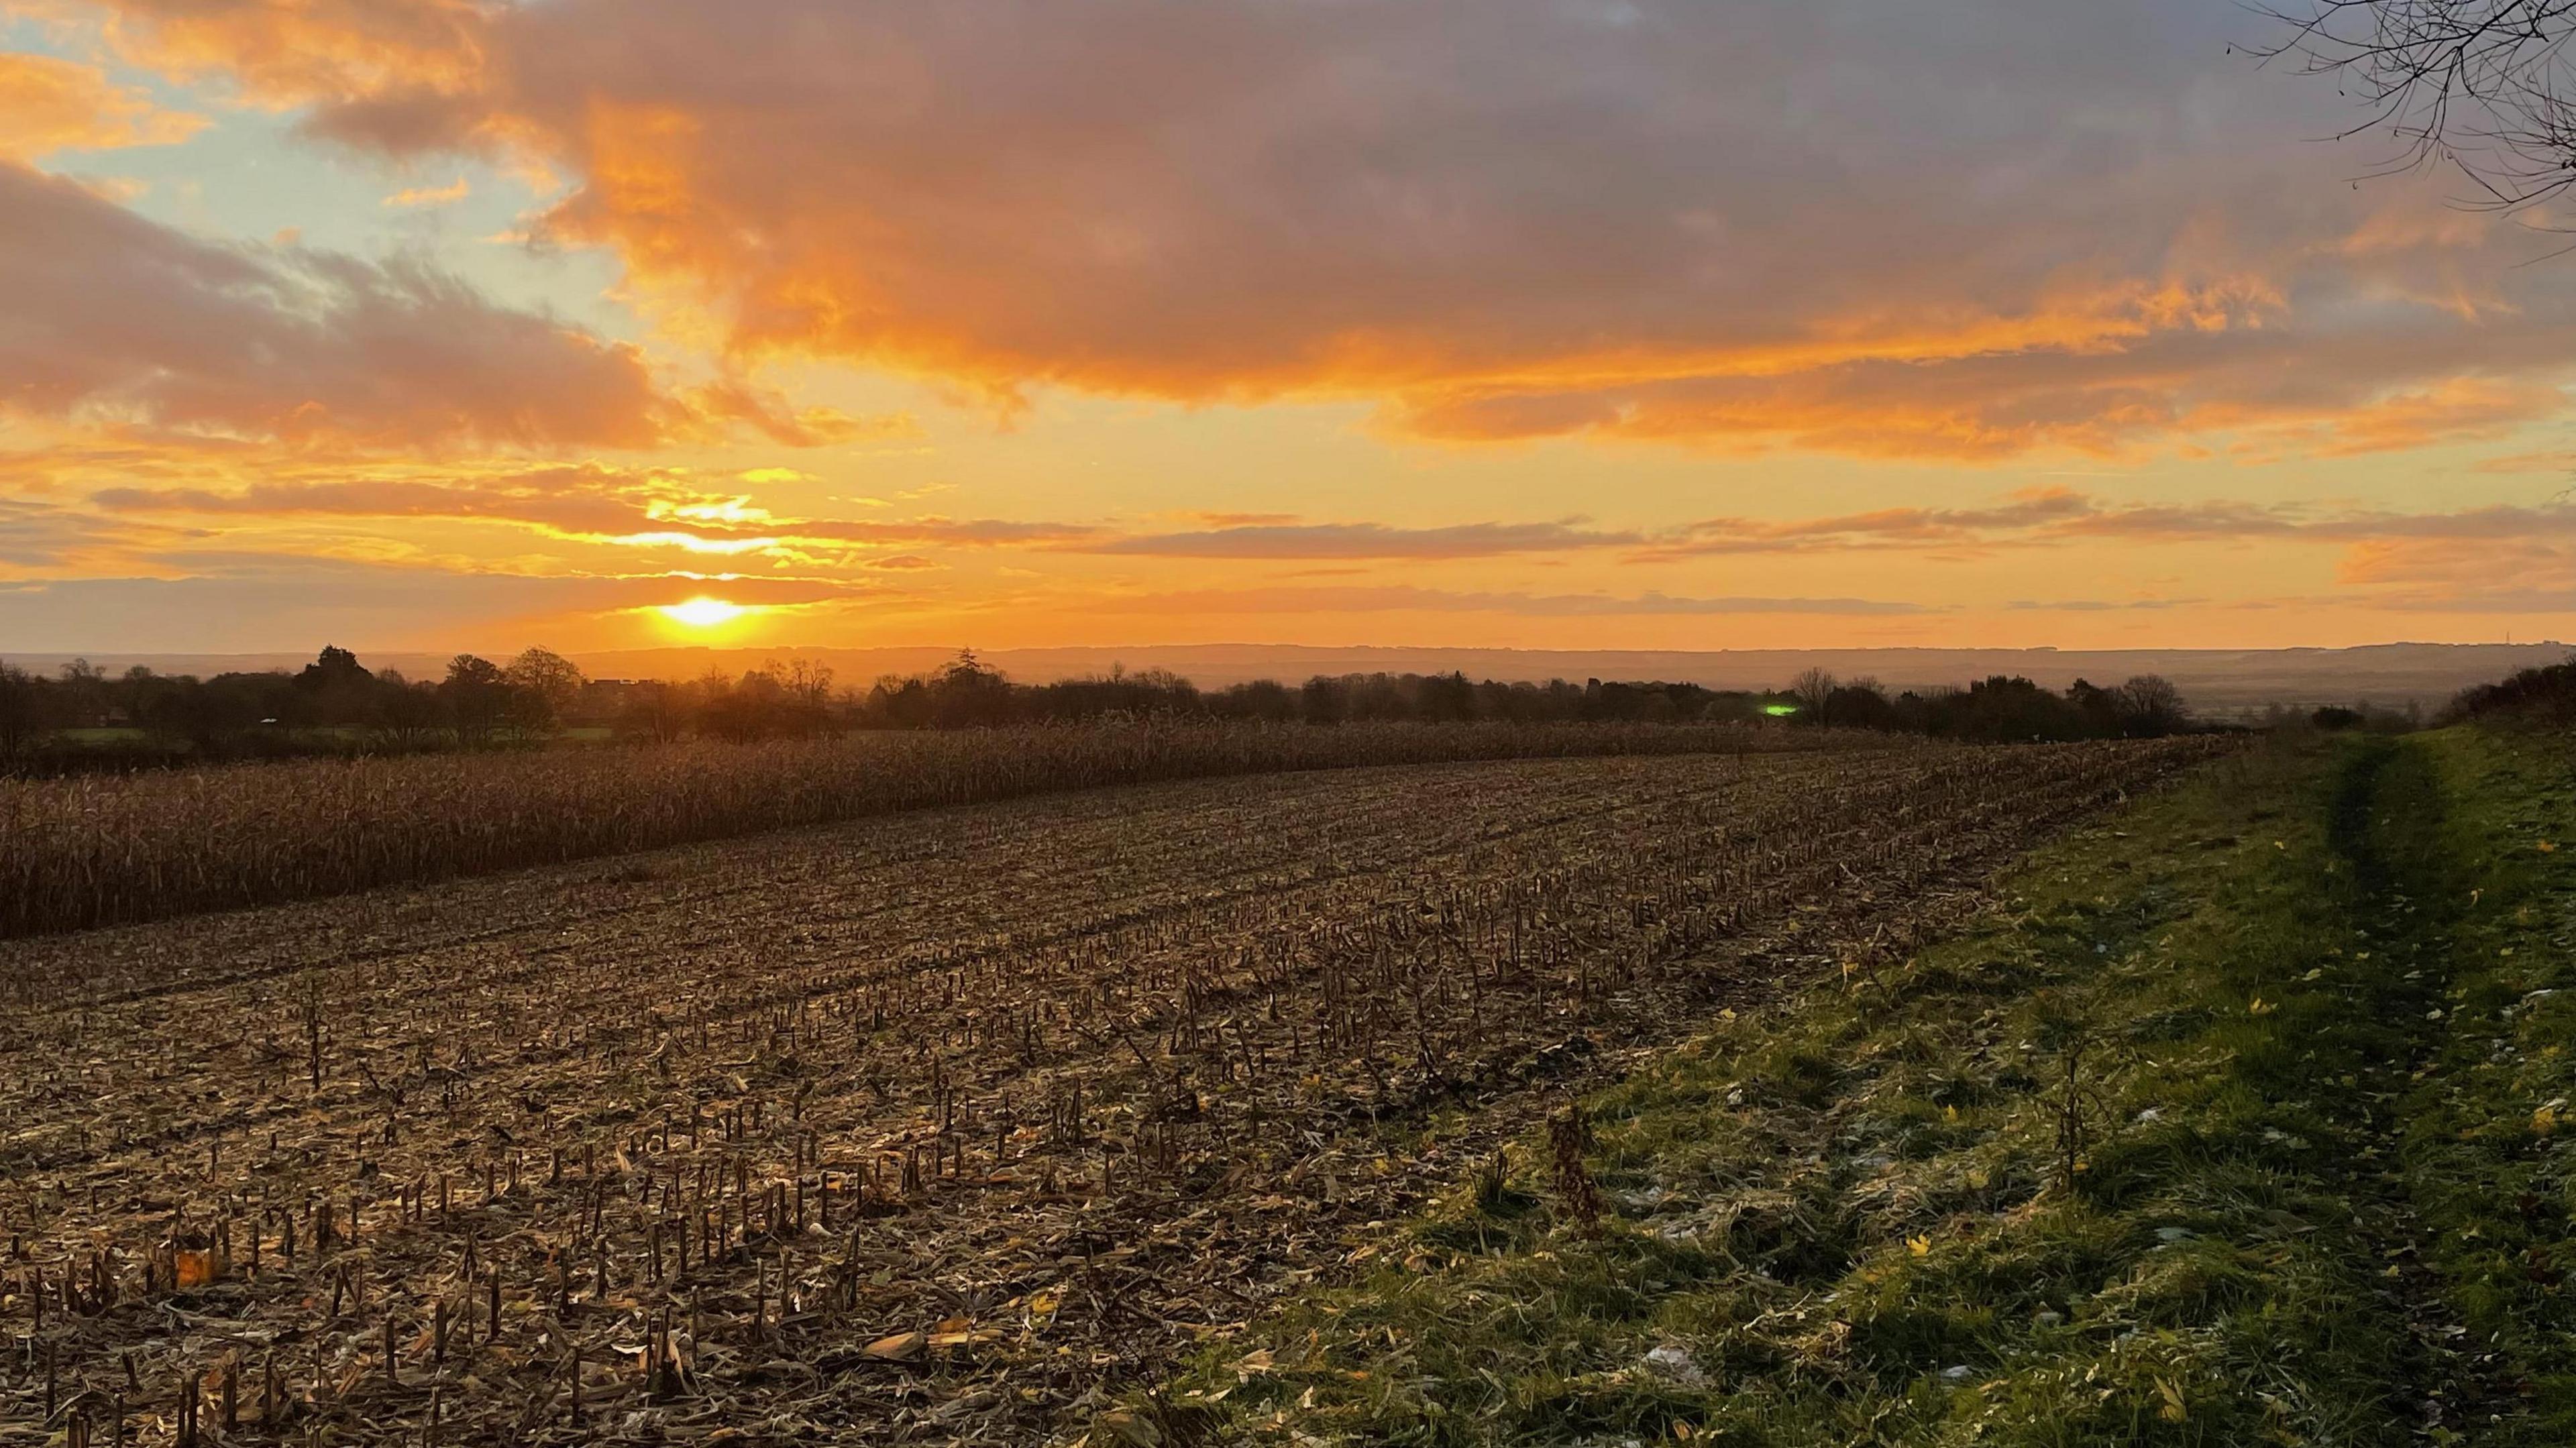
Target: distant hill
2214	681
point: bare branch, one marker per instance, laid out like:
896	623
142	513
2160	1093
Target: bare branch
2483	85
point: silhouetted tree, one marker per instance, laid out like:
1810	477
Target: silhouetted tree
807	682
655	710
335	689
83	697
408	713
214	716
333	666
22	710
968	693
476	697
542	685
1263	699
1860	704
1323	700
1812	688
2150	707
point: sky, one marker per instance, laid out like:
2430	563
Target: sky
432	324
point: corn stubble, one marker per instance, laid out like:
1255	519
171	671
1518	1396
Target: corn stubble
92	851
926	1128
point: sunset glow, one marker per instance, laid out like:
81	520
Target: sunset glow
431	325
1141	655
703	612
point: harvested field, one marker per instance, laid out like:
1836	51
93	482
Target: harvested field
921	1129
83	852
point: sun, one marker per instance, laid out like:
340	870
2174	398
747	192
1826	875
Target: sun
702	612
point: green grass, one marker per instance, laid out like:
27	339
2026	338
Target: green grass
2487	1128
2222	1132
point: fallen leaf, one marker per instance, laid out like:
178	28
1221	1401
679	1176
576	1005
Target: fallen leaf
903	1347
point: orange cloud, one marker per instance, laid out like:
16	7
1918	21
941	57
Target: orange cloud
297	52
2505	574
1556	228
580	500
447	195
48	105
669	508
1534	222
1365	540
587	504
2411	382
2062	516
148	508
721	405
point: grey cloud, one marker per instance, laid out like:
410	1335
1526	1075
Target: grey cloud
1971	228
106	314
1405	598
1368	540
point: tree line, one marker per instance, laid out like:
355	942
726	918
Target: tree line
1994	710
82	717
333	703
1998	708
2545	696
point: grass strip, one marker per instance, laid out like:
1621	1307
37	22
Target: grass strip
2237	1124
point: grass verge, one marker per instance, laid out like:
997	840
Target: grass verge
2240	1124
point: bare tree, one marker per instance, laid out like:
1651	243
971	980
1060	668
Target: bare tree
1811	689
407	713
2152	705
2481	84
806	681
82	687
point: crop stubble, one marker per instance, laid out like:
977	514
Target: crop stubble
926	1127
97	850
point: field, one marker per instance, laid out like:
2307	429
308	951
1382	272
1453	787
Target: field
947	1125
88	851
